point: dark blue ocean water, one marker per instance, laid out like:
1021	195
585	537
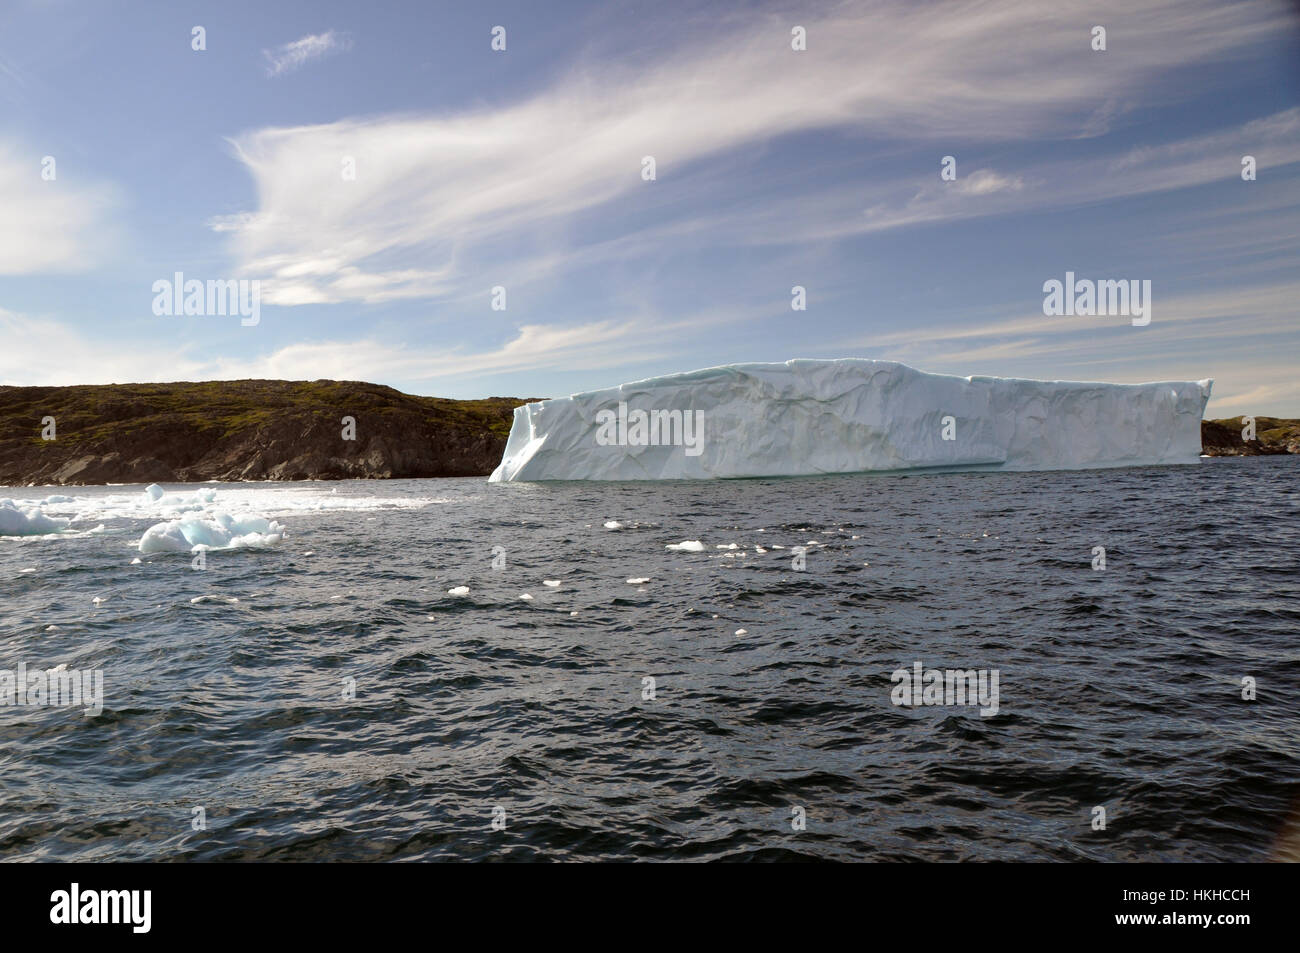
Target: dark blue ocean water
1119	688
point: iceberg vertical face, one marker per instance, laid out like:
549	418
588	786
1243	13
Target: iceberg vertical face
808	417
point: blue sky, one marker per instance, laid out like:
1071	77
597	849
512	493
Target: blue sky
477	168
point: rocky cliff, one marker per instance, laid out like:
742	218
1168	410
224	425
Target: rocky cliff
1222	438
243	430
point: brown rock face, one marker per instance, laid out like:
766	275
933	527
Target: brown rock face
1223	438
244	430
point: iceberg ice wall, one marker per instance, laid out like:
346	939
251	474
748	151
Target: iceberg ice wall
808	417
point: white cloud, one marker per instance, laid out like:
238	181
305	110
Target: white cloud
1241	336
292	56
41	351
57	225
429	190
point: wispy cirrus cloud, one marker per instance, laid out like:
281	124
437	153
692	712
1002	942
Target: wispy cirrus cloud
42	351
51	221
434	189
1239	337
295	55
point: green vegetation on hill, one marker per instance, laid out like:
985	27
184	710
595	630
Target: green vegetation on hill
1223	437
248	429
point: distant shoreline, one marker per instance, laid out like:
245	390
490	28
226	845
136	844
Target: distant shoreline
257	431
243	431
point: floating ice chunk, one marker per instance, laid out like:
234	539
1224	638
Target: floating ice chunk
222	531
526	597
638	580
17	520
760	550
136	561
98	599
458	591
742	632
154	491
807	417
725	546
686	546
613	524
553	583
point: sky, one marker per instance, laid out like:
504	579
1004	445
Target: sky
523	169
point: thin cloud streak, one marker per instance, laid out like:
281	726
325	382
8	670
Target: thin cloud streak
293	56
433	189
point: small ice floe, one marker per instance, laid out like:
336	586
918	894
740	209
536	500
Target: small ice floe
51	628
613	524
812	542
28	569
229	600
777	546
20	520
222	531
459	591
638	580
99	599
760	550
136	561
726	546
310	552
526	597
686	546
574	612
553	583
742	632
61	667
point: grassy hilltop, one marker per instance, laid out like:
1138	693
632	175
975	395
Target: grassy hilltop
244	430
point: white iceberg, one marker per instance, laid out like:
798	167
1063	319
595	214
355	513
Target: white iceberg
19	520
808	417
222	531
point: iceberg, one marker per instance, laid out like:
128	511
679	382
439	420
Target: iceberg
809	417
17	519
222	531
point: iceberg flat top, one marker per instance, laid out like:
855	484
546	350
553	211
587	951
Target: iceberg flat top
806	417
